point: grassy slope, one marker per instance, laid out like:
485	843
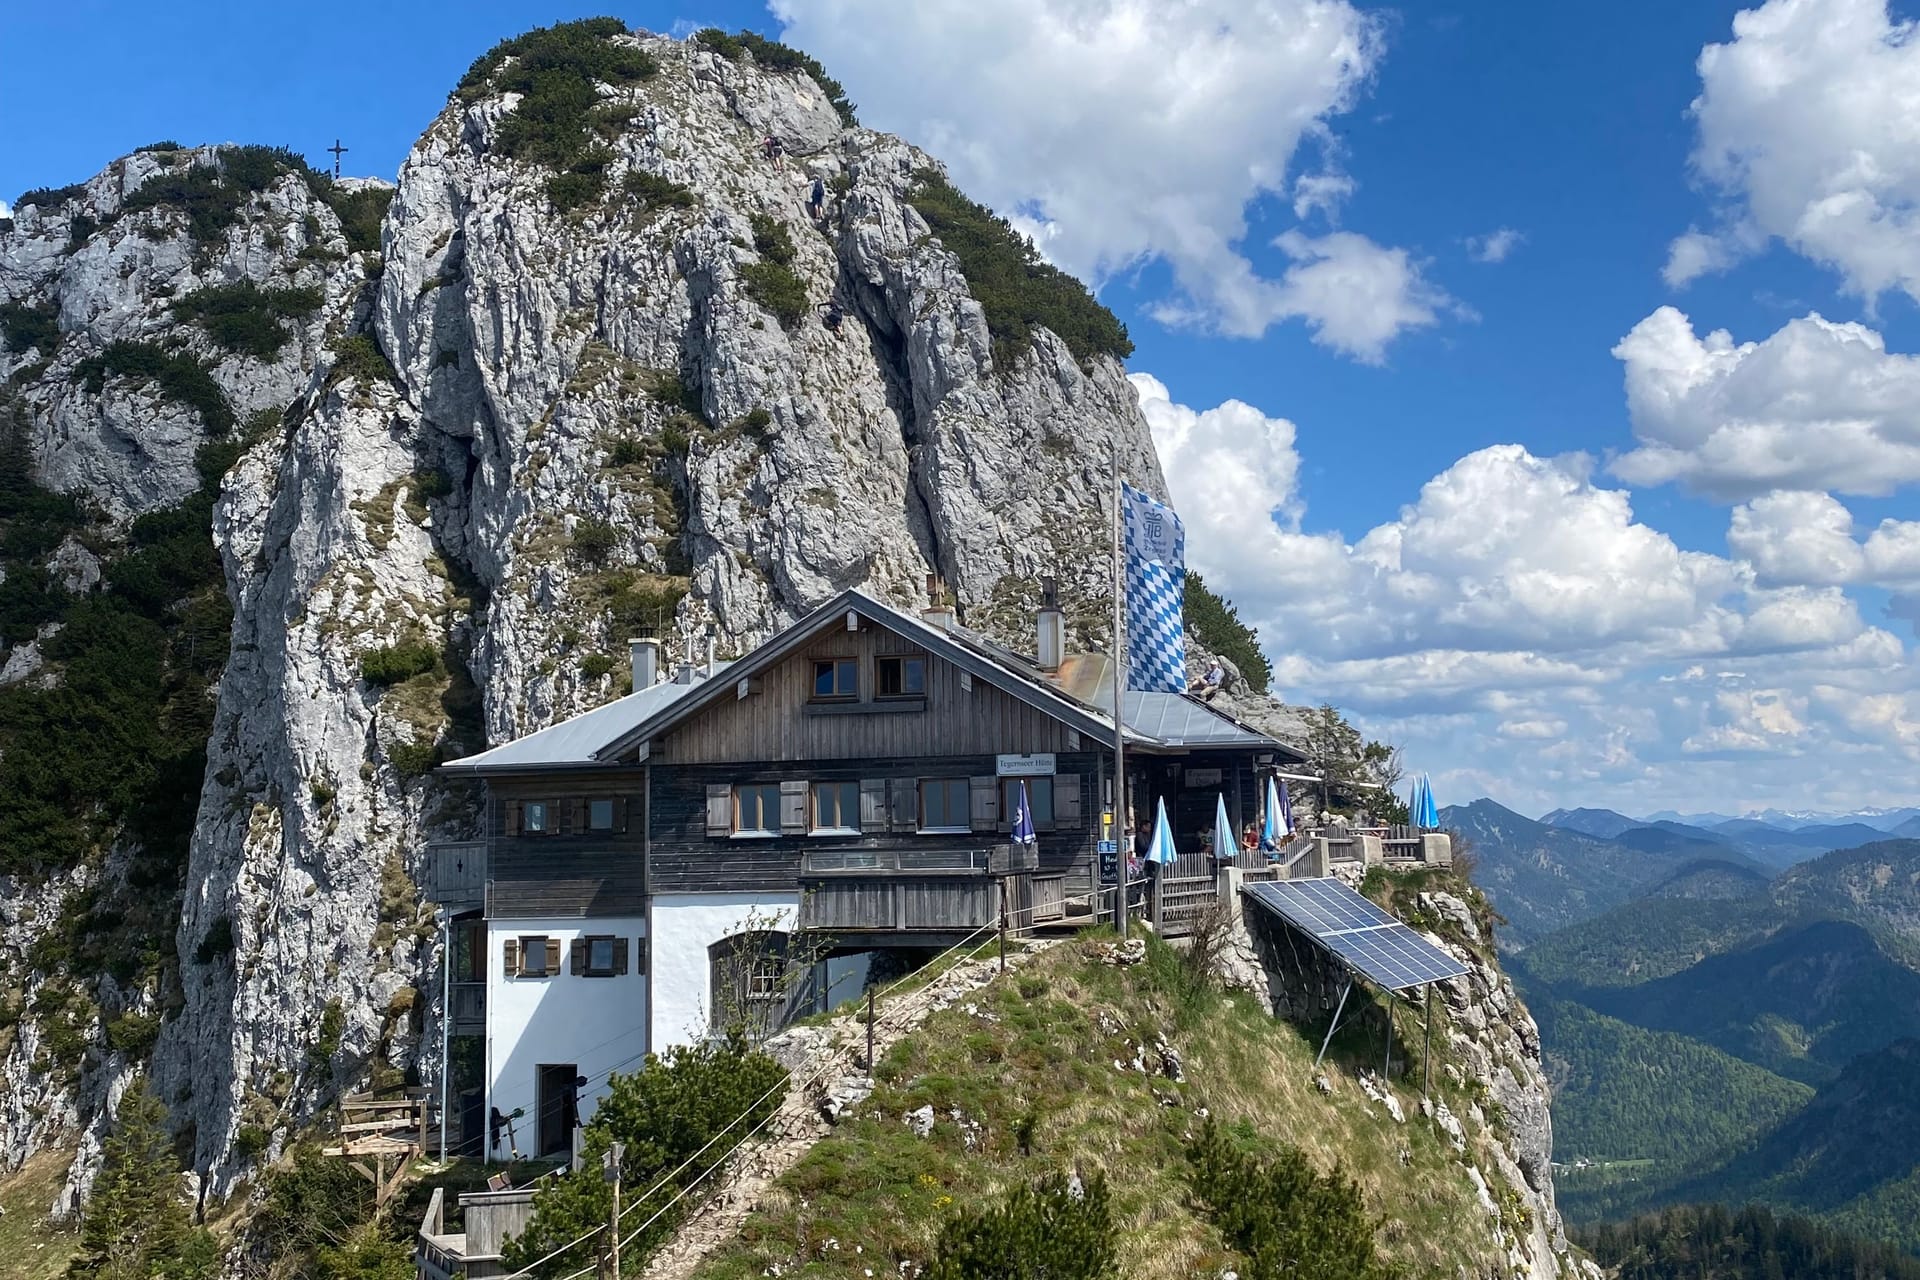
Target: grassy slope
1057	1045
31	1248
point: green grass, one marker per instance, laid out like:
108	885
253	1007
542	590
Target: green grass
1035	1081
1217	623
31	1248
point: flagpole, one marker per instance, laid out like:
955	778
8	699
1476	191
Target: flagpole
1121	836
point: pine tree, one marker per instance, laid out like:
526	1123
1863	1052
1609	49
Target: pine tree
135	1227
1050	1231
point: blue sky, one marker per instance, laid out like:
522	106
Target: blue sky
1653	663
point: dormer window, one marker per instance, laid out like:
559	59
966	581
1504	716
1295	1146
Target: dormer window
836	679
900	677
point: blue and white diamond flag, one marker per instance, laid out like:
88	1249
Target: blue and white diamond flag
1156	546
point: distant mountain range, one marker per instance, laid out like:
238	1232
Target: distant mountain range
1904	821
1769	840
1684	1020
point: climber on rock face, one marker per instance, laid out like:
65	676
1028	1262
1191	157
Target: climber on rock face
832	317
817	199
774	148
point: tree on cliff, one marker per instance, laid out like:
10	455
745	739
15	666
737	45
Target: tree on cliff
136	1227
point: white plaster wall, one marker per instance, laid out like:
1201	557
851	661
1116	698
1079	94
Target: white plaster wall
684	926
598	1024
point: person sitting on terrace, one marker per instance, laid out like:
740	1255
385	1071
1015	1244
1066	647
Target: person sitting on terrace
1249	840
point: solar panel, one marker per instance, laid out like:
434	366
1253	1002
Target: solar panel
1367	939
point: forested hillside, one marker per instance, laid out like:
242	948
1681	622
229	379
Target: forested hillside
1711	1243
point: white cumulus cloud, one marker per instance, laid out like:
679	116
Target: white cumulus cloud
1137	132
1806	134
1524	633
1495	246
1817	405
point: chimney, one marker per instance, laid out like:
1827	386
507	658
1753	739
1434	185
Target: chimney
683	674
938	613
1052	647
644	654
709	651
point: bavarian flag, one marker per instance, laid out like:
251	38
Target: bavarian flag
1156	583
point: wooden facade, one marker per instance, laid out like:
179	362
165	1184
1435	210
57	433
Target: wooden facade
569	869
777	719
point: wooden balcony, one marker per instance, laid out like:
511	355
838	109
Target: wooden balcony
457	875
906	890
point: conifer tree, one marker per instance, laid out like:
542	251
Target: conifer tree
135	1227
1050	1231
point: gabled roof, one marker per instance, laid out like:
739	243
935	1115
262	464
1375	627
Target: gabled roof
603	736
936	640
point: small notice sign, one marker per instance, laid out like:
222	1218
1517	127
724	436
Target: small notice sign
1035	765
1203	777
1108	846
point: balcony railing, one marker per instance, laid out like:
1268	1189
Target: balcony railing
457	874
1000	860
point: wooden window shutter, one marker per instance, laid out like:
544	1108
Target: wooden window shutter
577	815
986	803
619	955
639	956
553	955
903	795
577	957
1066	800
873	804
719	809
512	817
511	953
793	806
619	813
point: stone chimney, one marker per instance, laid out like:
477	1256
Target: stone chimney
939	611
1051	649
644	654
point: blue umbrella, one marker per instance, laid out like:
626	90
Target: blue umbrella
1023	831
1428	816
1161	850
1272	830
1225	845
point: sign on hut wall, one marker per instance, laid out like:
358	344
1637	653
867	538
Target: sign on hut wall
1033	765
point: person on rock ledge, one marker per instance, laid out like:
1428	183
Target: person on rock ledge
817	199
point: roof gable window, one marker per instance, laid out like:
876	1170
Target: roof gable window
836	679
904	677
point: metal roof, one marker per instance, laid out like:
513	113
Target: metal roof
1176	720
576	742
1366	939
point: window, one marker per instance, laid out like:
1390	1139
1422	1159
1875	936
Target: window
836	678
600	957
750	983
1039	795
900	677
756	809
836	806
533	956
599	815
533	818
943	805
